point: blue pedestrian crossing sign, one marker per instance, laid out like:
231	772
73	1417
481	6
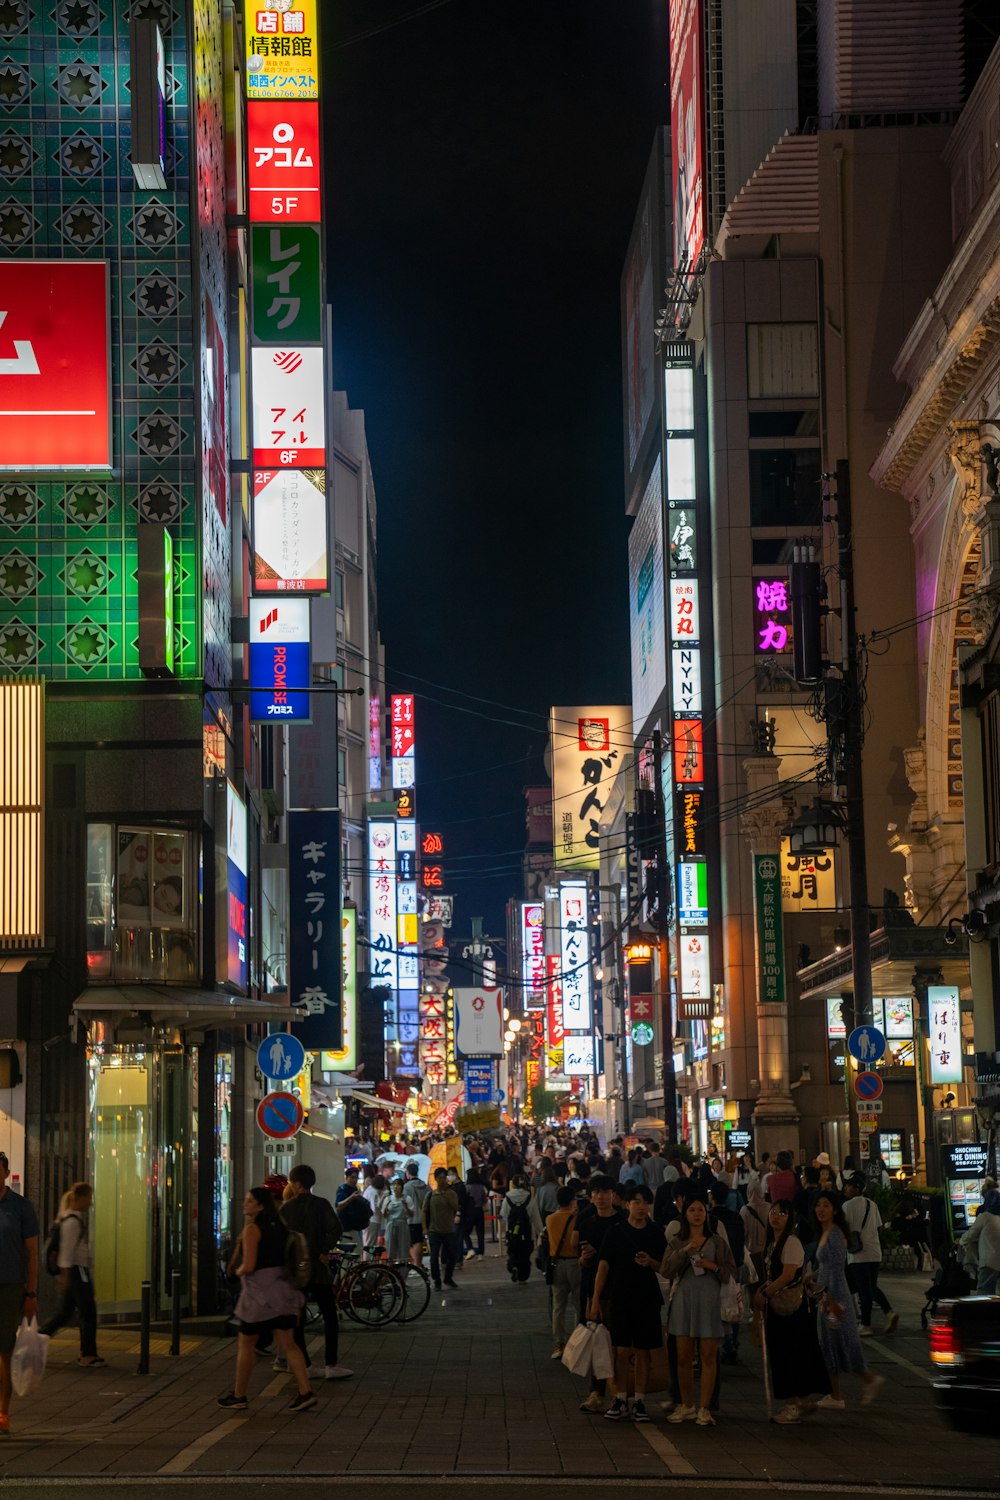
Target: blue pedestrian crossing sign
281	1056
866	1043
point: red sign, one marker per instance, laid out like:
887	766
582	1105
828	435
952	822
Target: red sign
868	1085
54	365
283	161
689	757
280	1115
555	1006
402	725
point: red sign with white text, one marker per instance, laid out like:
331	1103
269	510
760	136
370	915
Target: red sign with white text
402	725
283	161
54	365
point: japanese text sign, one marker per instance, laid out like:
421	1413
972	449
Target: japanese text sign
288	408
770	938
944	1027
694	966
684	619
533	954
586	749
290	531
315	964
282	56
772	615
808	881
283	162
280	661
382	915
574	966
402	732
287	284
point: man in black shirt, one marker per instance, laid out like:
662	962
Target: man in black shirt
594	1219
315	1218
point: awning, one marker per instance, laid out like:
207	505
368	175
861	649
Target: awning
371	1102
174	1005
897	954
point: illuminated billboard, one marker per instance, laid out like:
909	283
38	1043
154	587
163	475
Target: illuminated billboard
574	957
944	1018
533	954
684	622
289	419
382	913
290	531
687	162
692	891
281	51
579	1054
685	673
587	748
283	162
345	1057
287	284
280	660
689	756
645	578
402	725
55	365
237	866
694	966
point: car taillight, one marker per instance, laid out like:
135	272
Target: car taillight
944	1345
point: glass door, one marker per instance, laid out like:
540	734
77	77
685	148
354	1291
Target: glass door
120	1115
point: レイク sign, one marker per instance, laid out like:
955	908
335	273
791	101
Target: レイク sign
55	372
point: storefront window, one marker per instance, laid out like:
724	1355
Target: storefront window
142	904
119	1085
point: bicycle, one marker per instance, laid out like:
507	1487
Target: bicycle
416	1285
370	1294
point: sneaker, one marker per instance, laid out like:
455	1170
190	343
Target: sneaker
557	1352
337	1372
594	1402
871	1390
682	1414
830	1403
866	1331
304	1402
639	1412
704	1417
452	1286
892	1322
232	1402
471	1255
788	1415
618	1410
280	1363
437	1286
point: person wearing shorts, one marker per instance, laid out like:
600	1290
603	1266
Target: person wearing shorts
18	1278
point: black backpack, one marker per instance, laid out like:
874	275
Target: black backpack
52	1243
356	1213
518	1228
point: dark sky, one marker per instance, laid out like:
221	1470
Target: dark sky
487	160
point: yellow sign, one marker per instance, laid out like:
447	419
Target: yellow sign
480	1117
282	54
808	881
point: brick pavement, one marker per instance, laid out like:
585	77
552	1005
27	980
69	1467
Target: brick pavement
469	1388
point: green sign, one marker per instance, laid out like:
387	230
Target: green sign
286	283
168	600
770	947
642	1033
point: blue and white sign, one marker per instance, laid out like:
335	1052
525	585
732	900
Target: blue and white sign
280	661
281	1056
478	1082
866	1043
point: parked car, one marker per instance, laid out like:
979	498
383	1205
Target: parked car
965	1352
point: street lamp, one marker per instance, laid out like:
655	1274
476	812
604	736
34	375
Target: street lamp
514	1024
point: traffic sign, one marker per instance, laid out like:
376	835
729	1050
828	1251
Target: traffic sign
280	1116
866	1043
867	1085
281	1056
868	1107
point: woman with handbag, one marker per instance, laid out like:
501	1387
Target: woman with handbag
698	1262
792	1350
836	1323
561	1266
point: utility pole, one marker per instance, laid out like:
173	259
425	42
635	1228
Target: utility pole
847	730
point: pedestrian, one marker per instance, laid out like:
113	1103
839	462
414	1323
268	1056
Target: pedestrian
798	1373
981	1244
863	1223
315	1218
728	1223
439	1210
564	1261
353	1209
523	1228
267	1302
591	1229
372	1194
654	1168
630	1256
631	1170
697	1262
18	1278
395	1214
414	1192
754	1215
464	1208
474	1222
836	1323
76	1281
782	1185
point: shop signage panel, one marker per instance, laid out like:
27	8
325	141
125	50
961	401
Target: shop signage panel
687	70
533	954
382	902
685	664
290	531
692	892
282	56
586	747
315	965
945	1030
237	866
402	717
694	966
55	365
688	820
283	162
280	661
288	408
479	1022
684	617
772	615
808	881
479	1082
574	967
579	1055
689	757
287	284
770	937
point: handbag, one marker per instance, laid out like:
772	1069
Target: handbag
27	1363
547	1262
787	1299
748	1271
602	1359
855	1237
577	1353
731	1303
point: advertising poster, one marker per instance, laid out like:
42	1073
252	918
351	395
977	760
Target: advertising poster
645	573
587	748
290	531
687	131
479	1022
288	408
281	51
315	963
151	879
237	866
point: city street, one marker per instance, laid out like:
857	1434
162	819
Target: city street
470	1390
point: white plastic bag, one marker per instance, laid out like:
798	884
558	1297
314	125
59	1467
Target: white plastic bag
731	1302
577	1353
602	1361
27	1363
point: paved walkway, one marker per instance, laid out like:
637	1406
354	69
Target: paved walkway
470	1389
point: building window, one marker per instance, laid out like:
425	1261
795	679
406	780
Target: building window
785	487
782	360
142	904
338	586
341	767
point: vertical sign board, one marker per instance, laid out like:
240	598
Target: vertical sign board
383	967
479	1082
687	65
280	660
770	940
237	867
944	1025
290	532
574	958
289	412
533	954
554	1016
587	745
479	1022
315	965
55	365
282	55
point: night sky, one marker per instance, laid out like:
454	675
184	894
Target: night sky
487	161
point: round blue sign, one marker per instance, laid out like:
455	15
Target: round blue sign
866	1043
281	1056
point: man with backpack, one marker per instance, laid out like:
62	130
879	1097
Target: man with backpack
520	1217
314	1218
414	1193
438	1218
865	1255
353	1209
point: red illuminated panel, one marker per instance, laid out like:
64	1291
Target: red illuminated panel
689	755
283	161
54	365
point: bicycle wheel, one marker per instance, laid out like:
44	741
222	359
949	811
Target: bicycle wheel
372	1295
416	1291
